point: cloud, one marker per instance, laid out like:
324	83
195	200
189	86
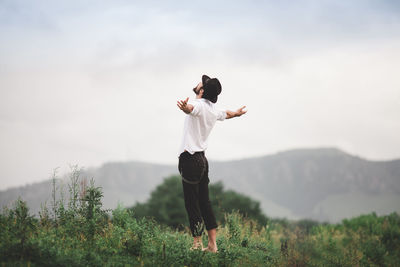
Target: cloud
94	81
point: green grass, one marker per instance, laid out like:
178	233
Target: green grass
83	234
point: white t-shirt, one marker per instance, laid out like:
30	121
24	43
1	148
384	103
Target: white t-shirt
198	125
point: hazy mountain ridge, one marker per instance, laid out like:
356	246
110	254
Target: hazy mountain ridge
300	179
296	183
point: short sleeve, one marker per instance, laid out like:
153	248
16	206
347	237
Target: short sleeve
221	115
196	108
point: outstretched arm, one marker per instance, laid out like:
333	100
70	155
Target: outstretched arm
184	106
237	113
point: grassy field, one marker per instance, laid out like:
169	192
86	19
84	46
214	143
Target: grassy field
83	234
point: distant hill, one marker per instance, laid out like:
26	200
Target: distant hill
324	184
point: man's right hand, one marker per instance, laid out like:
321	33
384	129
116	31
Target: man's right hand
240	111
237	113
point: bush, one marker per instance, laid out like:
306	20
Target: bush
83	234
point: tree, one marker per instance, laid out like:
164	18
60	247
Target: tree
17	228
166	204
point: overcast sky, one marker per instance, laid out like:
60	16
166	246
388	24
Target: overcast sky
87	82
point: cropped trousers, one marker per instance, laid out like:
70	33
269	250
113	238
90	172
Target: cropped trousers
194	173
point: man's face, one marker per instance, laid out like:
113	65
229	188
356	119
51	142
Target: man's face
197	89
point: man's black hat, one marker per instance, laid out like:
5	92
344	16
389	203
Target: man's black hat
212	88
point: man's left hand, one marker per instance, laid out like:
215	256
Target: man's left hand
184	106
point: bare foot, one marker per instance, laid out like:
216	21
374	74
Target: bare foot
213	250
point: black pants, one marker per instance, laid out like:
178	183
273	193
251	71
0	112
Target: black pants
194	172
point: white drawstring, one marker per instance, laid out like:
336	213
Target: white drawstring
202	174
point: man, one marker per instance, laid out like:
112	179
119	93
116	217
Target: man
202	113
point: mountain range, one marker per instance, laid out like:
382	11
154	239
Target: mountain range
324	184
